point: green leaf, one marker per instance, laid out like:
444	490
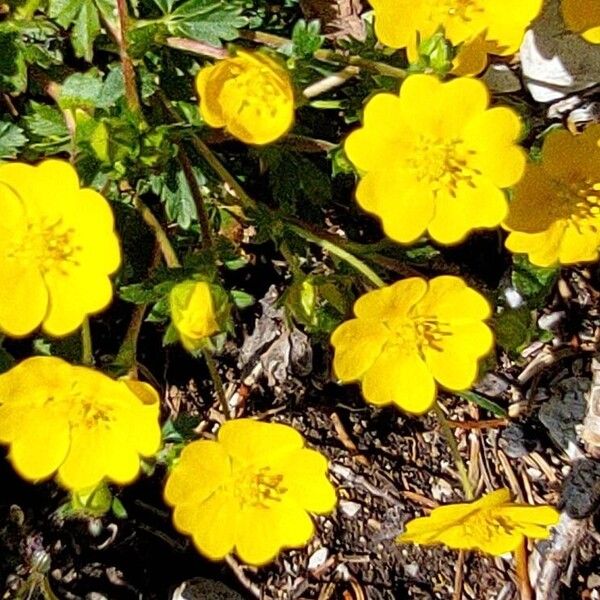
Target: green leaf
514	328
13	70
43	121
81	90
533	283
242	299
306	38
210	21
172	188
484	403
83	16
11	140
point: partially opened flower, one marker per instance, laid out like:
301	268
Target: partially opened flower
583	17
76	422
250	491
477	27
250	94
436	158
57	249
409	335
555	213
492	524
196	308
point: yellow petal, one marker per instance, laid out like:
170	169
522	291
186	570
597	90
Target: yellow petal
425	117
23	297
357	344
451	300
472	57
580	242
208	83
453	358
400	377
392	301
203	467
473	206
305	479
263	532
253	442
213	524
404	205
542	248
73	295
468	98
382	130
40	442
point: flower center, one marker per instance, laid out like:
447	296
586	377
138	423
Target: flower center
258	487
442	165
418	333
80	410
579	202
253	90
465	10
485	525
50	245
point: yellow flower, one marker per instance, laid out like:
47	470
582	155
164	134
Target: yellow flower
249	490
583	17
477	27
250	95
57	249
555	214
436	158
76	421
193	312
492	524
409	335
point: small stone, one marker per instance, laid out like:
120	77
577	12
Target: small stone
318	558
342	572
411	570
441	490
593	580
349	508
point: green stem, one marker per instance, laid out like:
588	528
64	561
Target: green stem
87	354
190	176
453	446
362	63
166	248
217	382
336	250
131	93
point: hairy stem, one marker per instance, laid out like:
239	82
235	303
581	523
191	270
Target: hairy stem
217	382
87	353
162	239
131	92
454	451
336	250
190	177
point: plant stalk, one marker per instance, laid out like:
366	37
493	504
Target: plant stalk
217	382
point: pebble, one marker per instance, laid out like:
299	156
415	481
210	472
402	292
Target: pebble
349	508
318	558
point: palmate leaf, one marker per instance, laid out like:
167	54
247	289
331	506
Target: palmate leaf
11	140
210	21
83	16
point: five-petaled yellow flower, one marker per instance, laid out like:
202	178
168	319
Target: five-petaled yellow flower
409	335
77	422
583	17
250	491
435	158
492	524
249	94
477	27
555	214
193	313
57	248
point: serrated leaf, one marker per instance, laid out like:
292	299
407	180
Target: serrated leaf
85	30
81	90
45	122
64	12
210	21
11	140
